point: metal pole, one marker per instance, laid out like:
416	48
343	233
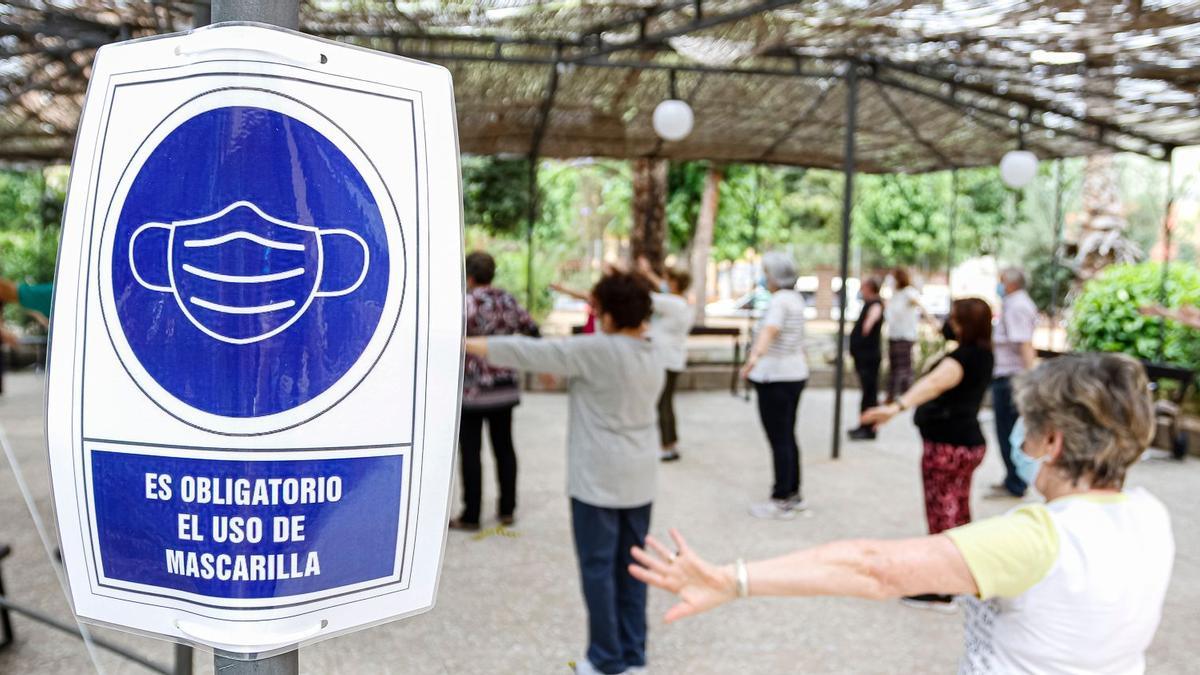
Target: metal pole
953	224
287	663
533	209
284	13
848	168
1058	232
1162	284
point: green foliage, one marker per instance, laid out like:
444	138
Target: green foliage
903	219
30	213
1042	274
496	193
1105	317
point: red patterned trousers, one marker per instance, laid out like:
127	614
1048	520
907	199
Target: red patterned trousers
946	474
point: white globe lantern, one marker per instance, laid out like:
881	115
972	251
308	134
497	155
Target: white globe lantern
1018	167
673	120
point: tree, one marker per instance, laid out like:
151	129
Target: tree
648	237
702	246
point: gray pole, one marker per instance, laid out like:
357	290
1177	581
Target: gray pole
1058	233
285	13
848	168
953	224
1166	265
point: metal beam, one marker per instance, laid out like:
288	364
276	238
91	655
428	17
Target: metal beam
1098	140
848	169
535	149
695	25
1031	104
795	125
912	129
638	65
636	18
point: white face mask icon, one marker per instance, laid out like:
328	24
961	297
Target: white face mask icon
242	276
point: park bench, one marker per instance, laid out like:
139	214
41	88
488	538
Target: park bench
1168	401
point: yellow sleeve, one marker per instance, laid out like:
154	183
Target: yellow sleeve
1008	554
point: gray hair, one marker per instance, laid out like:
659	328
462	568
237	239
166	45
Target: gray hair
779	268
1101	405
1013	275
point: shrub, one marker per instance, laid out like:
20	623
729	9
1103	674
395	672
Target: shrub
1105	316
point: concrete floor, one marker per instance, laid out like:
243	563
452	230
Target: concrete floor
511	604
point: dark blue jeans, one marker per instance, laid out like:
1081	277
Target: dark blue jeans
616	602
1005	411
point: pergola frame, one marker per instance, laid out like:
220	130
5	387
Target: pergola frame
1007	114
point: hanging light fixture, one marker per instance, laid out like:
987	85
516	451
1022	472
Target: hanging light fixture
1018	167
673	118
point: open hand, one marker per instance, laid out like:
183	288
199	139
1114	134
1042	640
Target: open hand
878	415
699	585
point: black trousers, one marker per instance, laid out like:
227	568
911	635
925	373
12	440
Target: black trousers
778	403
666	411
470	445
867	369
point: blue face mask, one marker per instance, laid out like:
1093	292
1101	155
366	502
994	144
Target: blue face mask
1026	467
1000	290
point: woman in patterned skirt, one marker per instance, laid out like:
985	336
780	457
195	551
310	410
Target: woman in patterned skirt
947	401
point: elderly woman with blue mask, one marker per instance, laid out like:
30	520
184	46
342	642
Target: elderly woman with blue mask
778	368
1073	585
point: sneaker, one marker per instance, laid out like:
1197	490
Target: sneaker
508	521
944	604
778	509
460	524
862	434
668	455
584	667
1000	492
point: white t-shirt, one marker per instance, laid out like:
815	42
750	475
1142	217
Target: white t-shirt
669	328
902	314
785	360
1072	587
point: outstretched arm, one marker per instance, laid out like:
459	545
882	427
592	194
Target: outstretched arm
569	292
946	375
873	569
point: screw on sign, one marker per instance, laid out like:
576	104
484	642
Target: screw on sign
258	299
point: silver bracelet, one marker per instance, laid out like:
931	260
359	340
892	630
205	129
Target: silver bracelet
743	578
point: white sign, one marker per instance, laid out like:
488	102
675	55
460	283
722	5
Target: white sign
255	368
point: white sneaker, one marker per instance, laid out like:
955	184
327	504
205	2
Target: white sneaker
585	667
778	509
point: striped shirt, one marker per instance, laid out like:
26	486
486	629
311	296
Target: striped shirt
785	360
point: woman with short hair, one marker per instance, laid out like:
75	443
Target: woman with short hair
1074	585
489	395
614	378
778	368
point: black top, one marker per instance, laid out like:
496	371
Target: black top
953	417
866	346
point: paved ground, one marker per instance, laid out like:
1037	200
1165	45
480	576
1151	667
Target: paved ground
510	604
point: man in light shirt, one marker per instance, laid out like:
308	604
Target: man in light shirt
1012	338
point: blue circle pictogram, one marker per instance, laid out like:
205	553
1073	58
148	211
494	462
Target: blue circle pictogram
250	263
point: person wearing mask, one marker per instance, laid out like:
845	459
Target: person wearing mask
903	316
614	379
947	402
866	350
1014	355
489	394
1072	585
670	325
778	368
